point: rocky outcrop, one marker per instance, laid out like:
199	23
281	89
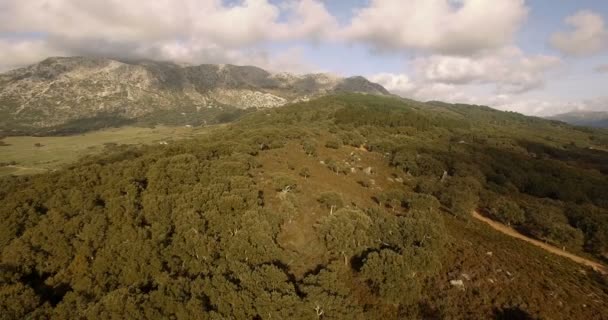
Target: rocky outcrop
59	90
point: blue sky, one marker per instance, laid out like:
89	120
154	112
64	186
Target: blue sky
537	57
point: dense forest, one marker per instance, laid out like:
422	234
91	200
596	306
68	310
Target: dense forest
345	207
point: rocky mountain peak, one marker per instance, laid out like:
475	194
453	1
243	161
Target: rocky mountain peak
60	90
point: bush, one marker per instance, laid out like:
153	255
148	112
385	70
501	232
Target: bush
507	211
282	183
331	201
333	144
309	148
421	202
305	173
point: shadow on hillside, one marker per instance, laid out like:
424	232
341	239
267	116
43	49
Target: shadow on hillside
587	158
512	313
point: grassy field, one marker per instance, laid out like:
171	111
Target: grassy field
32	155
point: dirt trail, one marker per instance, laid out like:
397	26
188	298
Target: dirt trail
513	233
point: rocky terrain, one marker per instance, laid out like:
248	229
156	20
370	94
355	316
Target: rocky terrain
58	92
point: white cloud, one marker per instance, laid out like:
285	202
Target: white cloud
309	19
595	104
290	60
401	85
475	93
550	107
536	107
407	87
14	53
460	27
587	37
509	69
192	31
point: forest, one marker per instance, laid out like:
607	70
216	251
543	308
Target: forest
348	206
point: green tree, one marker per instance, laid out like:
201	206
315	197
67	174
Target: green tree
345	233
305	173
331	201
507	211
333	144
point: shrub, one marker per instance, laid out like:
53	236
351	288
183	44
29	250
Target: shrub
309	148
507	211
305	172
282	183
331	201
333	144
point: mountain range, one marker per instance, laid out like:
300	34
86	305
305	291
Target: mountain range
68	94
596	119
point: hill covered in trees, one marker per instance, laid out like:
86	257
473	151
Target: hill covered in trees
344	207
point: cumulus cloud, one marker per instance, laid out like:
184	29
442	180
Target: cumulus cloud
243	23
399	84
460	27
508	68
14	53
403	85
450	78
309	19
192	31
588	35
546	106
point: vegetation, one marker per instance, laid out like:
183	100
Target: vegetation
57	152
219	226
333	144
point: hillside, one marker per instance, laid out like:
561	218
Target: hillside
69	95
343	207
595	119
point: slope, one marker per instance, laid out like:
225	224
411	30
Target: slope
513	233
66	95
347	206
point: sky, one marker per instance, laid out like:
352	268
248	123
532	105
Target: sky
536	57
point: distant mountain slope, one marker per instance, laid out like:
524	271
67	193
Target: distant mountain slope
56	92
596	119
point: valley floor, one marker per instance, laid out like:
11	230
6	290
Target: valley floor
25	155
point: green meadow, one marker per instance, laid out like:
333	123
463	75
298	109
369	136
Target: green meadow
24	155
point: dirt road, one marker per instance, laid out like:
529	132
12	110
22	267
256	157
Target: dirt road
513	233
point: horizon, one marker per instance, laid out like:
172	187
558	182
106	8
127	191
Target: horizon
537	58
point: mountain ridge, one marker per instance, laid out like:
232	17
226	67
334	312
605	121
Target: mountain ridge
595	119
49	95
